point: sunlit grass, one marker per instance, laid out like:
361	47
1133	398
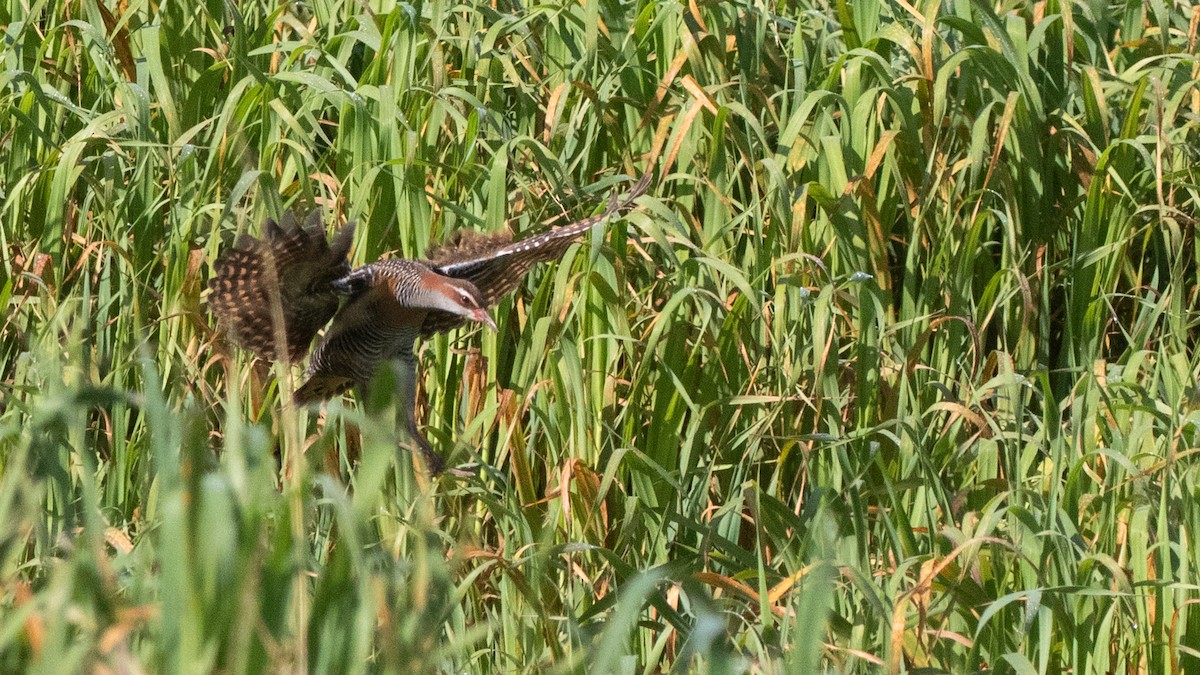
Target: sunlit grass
893	368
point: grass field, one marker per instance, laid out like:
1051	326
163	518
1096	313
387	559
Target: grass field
893	370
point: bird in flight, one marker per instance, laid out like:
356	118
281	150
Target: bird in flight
275	294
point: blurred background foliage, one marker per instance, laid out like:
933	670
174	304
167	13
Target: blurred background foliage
893	368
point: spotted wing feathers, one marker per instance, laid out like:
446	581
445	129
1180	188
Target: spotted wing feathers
285	277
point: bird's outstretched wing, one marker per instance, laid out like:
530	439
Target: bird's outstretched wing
292	269
497	265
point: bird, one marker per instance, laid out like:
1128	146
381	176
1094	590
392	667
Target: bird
274	295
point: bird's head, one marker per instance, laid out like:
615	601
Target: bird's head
461	297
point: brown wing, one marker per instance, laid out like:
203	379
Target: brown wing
466	245
293	269
497	265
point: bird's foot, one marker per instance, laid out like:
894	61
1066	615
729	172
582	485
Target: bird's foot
437	467
433	461
464	470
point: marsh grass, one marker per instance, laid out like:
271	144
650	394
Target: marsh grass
893	369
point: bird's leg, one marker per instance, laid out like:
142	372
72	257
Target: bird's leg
406	413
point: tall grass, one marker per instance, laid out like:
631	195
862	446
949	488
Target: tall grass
893	369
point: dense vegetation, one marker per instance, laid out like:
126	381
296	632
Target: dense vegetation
894	367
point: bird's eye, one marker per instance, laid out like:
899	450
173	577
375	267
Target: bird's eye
466	299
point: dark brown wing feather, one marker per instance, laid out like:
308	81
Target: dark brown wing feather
294	266
497	265
465	245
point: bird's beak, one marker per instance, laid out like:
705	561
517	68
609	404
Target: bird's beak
481	315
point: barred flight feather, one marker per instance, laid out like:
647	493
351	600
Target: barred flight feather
293	269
